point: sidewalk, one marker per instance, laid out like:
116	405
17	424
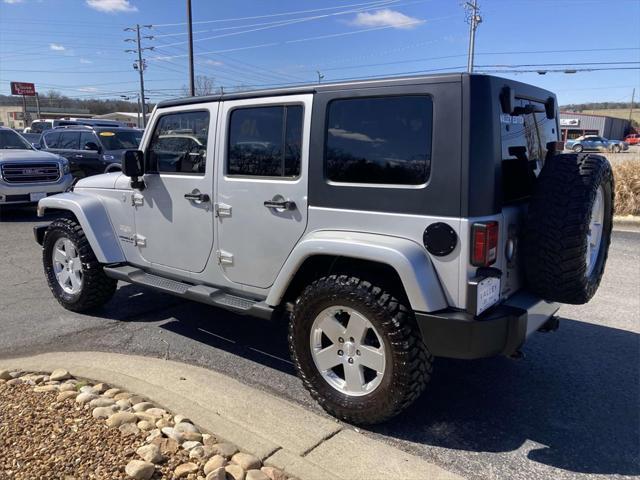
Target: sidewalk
282	434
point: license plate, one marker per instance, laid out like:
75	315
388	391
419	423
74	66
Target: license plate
488	293
37	196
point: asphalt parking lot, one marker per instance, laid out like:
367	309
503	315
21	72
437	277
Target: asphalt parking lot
570	409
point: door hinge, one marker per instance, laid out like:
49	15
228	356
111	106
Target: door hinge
222	210
137	200
139	240
224	258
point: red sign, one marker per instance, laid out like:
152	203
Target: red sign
22	88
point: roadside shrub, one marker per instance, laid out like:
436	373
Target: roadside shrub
627	178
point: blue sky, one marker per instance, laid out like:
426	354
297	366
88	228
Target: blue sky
77	46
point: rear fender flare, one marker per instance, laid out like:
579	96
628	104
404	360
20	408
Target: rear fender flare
93	219
409	259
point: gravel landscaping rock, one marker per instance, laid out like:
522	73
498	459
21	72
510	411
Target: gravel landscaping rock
59	374
45	435
140	470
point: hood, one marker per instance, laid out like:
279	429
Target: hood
104	181
28	156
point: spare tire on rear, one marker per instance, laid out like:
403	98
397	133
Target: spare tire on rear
568	228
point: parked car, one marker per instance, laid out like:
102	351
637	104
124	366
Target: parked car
389	221
27	175
595	143
40	125
91	150
632	139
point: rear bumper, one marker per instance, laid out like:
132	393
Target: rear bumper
500	331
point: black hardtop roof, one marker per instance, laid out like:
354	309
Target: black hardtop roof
315	88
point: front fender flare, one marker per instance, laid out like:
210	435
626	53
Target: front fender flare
406	257
93	219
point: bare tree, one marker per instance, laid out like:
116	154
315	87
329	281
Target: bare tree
205	85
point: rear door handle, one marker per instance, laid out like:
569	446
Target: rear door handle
78	156
280	205
197	197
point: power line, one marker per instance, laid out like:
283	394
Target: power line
381	3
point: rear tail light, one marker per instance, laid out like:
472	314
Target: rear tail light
484	246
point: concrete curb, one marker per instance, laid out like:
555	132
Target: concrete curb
626	221
282	434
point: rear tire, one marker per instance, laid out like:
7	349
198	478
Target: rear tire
568	228
89	289
616	148
407	364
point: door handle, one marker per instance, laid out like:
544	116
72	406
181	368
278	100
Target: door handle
79	156
280	205
197	197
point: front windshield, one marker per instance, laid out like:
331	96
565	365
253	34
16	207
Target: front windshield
10	140
120	140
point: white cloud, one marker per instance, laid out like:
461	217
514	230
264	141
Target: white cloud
112	6
88	89
385	18
84	60
213	63
11	2
56	47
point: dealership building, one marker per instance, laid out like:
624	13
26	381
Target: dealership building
574	125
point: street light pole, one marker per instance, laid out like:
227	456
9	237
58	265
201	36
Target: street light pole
192	81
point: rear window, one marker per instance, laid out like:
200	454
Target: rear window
379	140
525	140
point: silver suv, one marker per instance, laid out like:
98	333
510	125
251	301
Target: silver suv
389	221
26	174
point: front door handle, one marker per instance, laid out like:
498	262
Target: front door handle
280	205
197	197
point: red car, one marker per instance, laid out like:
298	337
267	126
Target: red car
632	139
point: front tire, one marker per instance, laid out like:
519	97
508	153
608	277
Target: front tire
74	275
578	148
357	349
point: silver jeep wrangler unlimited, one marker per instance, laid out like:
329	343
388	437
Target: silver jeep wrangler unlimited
391	221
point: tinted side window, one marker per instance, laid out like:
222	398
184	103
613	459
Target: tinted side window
52	140
179	143
86	137
70	141
265	141
384	140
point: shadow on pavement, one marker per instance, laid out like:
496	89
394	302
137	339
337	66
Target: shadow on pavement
576	393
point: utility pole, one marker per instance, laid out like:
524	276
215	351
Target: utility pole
40	114
320	76
474	19
192	80
141	64
633	97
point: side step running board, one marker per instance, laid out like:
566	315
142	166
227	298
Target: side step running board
199	293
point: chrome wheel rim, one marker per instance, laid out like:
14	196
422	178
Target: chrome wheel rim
594	235
67	266
347	351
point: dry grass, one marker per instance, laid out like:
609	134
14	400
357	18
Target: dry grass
627	178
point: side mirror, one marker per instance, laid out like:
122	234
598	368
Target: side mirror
133	167
92	146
